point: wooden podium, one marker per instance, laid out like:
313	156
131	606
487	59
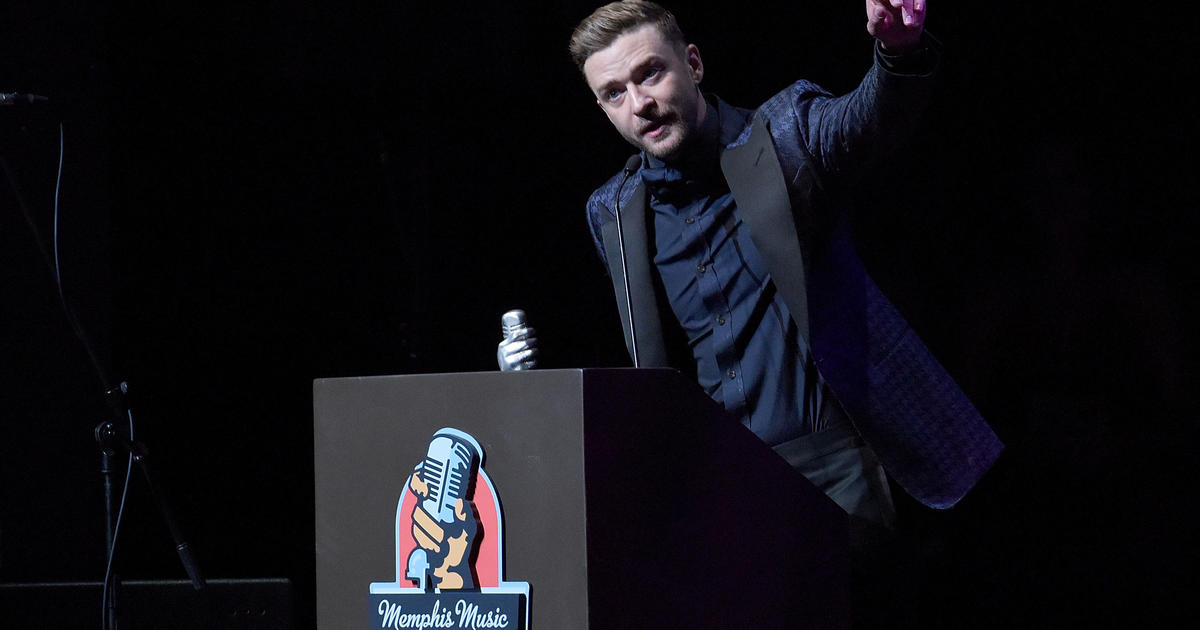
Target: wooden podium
629	499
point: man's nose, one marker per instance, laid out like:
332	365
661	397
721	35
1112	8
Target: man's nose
642	102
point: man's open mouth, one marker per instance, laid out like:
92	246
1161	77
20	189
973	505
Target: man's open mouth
655	128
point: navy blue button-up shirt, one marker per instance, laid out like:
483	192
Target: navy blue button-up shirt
749	354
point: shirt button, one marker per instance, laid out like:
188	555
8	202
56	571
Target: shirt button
700	268
690	220
720	320
732	374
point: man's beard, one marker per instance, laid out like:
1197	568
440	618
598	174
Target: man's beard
674	145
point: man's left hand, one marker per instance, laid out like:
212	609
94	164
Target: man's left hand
897	24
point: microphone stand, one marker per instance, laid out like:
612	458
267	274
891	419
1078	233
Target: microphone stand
631	166
107	434
109	437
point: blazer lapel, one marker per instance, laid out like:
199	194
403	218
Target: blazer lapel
652	350
756	180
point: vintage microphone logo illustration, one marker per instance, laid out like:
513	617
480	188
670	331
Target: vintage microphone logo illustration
444	525
449	547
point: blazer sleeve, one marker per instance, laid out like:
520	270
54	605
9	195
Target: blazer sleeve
844	135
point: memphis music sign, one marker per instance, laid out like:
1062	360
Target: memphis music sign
449	555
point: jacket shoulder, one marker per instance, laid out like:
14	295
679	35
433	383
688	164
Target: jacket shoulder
788	101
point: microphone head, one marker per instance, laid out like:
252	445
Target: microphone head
633	164
511	321
17	98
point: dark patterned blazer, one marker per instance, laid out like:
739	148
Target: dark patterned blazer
782	163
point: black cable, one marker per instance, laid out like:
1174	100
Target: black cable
71	318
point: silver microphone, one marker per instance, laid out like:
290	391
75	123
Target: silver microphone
511	321
518	347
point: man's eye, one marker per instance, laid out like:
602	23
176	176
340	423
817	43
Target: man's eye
612	94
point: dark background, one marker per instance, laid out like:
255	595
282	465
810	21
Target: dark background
257	194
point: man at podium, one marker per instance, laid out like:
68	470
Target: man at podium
727	241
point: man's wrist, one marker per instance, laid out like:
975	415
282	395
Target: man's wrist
918	58
899	48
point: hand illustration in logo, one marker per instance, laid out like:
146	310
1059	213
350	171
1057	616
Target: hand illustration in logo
444	521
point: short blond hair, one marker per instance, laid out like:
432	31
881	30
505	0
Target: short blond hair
598	30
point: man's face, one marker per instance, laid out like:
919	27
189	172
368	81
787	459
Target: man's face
649	89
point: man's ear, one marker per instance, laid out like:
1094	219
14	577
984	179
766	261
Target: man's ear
695	64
